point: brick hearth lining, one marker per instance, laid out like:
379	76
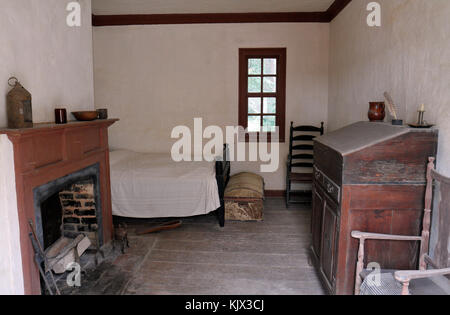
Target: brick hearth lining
79	210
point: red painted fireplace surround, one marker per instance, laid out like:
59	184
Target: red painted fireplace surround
45	153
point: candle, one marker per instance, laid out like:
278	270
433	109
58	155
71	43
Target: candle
422	108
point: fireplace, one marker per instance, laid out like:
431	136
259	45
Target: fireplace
69	206
52	162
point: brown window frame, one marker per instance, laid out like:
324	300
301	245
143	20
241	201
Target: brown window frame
280	94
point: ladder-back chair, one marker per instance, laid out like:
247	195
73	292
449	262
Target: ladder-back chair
301	140
416	282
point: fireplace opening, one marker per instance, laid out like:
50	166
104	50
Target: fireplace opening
69	213
68	219
69	206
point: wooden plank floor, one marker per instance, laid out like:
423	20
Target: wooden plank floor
269	257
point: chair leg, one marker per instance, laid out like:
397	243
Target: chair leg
288	188
405	288
359	266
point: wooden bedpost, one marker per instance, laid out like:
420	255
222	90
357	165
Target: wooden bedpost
221	187
222	176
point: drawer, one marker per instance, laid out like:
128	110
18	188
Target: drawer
318	176
330	187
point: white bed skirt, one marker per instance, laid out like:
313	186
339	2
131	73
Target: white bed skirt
151	185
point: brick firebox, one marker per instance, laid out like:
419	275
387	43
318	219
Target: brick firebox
79	210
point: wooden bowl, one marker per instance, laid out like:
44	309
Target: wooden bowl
86	115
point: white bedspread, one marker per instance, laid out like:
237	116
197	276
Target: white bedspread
149	185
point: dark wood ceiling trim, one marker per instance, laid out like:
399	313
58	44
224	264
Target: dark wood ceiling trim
211	18
336	8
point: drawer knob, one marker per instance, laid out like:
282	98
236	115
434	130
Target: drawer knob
330	188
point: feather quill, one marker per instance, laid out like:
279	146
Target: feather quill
390	105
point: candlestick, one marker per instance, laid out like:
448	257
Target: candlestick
422	108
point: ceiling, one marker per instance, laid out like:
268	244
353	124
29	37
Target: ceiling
111	7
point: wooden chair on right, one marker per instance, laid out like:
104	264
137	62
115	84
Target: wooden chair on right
415	282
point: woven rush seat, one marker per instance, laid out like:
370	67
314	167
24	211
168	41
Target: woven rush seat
389	286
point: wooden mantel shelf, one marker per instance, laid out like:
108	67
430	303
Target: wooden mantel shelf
39	127
46	152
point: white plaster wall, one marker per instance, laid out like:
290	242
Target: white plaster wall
54	62
409	56
11	277
157	77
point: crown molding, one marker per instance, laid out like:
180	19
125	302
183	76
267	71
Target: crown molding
213	18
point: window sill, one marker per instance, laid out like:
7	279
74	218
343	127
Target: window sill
256	138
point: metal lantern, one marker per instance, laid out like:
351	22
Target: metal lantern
18	105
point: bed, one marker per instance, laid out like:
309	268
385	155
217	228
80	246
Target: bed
152	185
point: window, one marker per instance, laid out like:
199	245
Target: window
262	90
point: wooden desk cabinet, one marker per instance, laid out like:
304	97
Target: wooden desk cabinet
368	177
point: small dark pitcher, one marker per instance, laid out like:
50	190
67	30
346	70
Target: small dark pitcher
377	111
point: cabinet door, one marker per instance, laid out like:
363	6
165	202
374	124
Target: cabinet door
318	204
329	240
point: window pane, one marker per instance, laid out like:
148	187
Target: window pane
269	123
254	123
254	85
270	84
254	105
270	105
254	66
270	66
